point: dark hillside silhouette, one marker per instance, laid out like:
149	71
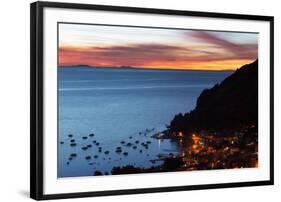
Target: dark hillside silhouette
231	104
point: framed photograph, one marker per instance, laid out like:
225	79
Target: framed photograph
131	100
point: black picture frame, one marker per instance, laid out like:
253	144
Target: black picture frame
36	98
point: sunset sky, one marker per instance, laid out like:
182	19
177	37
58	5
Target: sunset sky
116	46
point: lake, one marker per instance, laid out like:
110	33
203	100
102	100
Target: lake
121	104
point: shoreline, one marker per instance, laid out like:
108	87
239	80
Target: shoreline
208	150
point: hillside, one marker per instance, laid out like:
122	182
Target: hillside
231	104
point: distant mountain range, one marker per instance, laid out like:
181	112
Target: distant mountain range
229	105
82	65
131	67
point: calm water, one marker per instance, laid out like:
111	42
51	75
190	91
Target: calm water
119	105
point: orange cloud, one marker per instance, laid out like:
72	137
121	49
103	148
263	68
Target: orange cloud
163	56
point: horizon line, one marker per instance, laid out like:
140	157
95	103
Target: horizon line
146	68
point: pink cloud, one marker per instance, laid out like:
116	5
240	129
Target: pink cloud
237	51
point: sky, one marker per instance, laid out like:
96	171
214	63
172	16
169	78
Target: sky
115	46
